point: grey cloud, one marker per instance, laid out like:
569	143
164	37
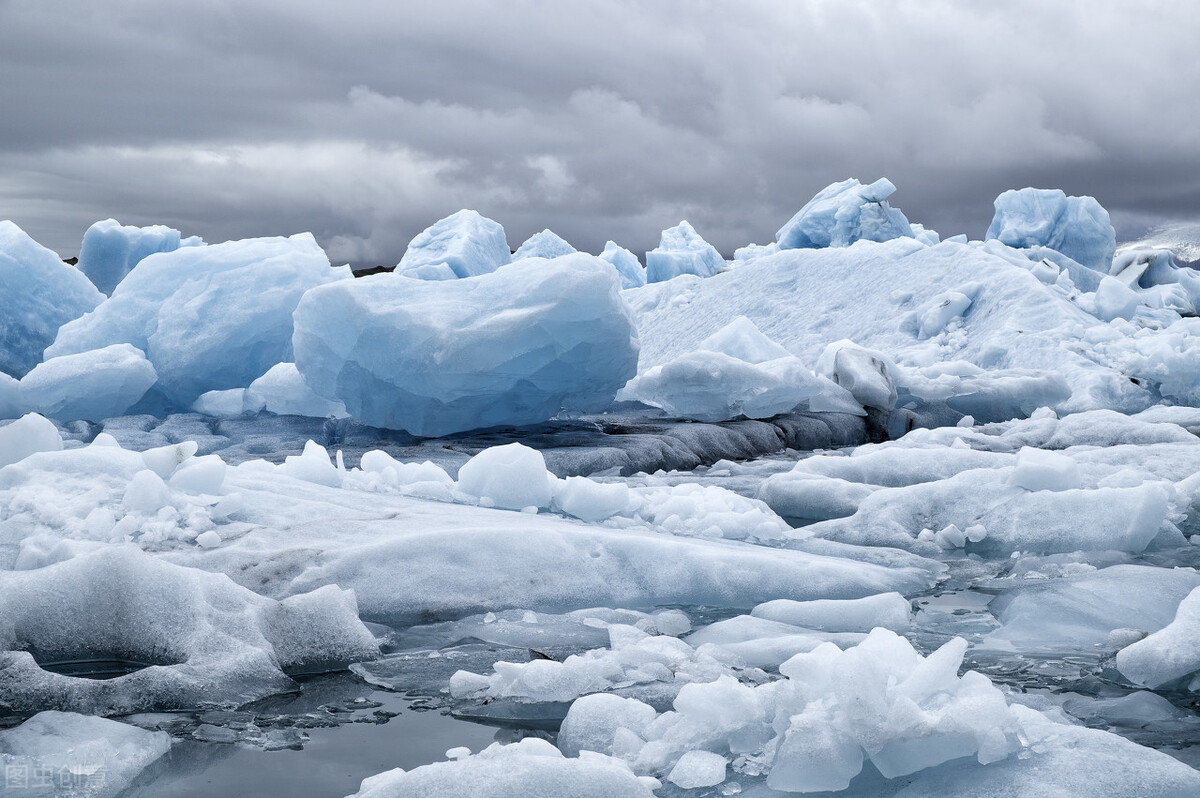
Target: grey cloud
364	122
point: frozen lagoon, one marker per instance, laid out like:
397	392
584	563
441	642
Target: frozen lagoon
928	531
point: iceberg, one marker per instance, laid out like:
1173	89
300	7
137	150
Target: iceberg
512	347
1078	227
38	294
208	318
463	244
546	244
626	264
843	213
110	250
681	250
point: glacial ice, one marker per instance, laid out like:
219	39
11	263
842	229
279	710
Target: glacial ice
513	347
1028	508
110	250
38	294
1078	227
546	244
681	251
208	318
463	244
843	213
92	385
626	264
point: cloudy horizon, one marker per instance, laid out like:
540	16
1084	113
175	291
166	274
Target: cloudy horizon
366	122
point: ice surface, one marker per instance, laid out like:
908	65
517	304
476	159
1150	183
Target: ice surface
530	767
626	264
84	756
876	296
1038	469
90	385
512	347
463	244
209	641
681	251
208	318
1080	612
737	371
38	294
546	244
28	434
110	250
1078	227
843	213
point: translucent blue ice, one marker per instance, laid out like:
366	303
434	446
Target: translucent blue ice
626	264
463	244
843	213
508	348
681	250
38	293
208	318
110	250
1078	227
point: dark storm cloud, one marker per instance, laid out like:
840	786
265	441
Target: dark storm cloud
365	122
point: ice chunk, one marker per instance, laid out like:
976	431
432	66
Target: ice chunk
1115	300
889	610
463	244
221	404
866	374
1038	469
76	755
546	244
626	264
11	404
91	385
940	311
593	721
591	501
38	294
510	477
28	434
1078	227
163	460
843	213
698	769
512	347
110	250
529	767
313	465
208	318
681	250
284	392
1169	653
214	642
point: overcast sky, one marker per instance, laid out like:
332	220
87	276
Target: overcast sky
365	122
